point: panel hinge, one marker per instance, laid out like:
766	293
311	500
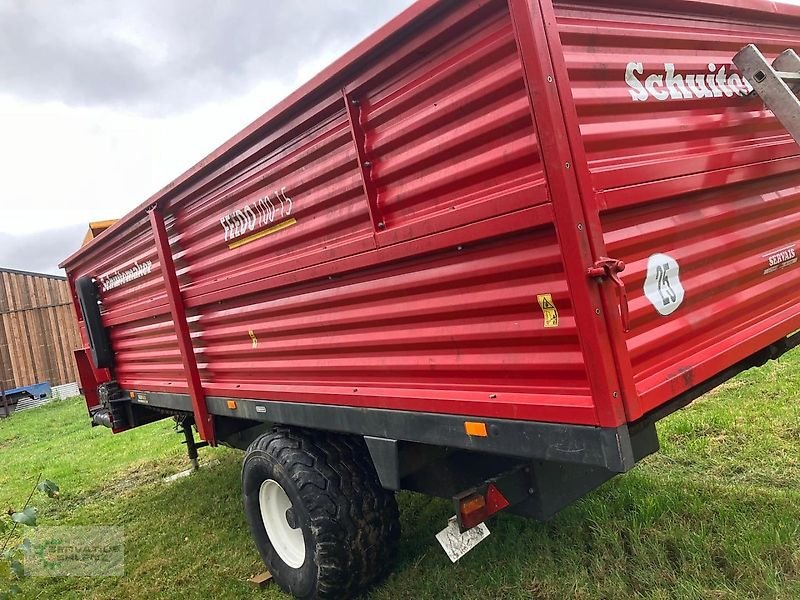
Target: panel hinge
610	268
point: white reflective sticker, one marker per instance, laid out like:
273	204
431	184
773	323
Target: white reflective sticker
457	544
663	284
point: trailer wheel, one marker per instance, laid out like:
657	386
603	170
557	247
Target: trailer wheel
324	526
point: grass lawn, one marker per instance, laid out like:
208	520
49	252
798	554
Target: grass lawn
716	514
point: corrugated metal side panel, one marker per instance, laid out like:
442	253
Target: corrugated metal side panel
146	354
451	129
631	141
697	172
135	308
129	276
305	193
449	135
294	292
460	331
37	330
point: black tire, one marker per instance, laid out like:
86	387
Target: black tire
350	524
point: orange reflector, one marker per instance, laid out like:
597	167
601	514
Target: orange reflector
476	429
232	404
133	395
472	504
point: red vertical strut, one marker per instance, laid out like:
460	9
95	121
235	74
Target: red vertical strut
355	115
204	422
572	225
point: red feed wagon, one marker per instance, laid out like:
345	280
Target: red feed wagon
477	257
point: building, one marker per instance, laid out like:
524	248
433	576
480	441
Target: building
37	331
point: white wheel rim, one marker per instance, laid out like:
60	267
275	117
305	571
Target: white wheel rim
288	543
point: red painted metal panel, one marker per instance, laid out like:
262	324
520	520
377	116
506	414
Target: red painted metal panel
397	233
88	378
684	164
450	130
202	420
392	336
574	226
295	291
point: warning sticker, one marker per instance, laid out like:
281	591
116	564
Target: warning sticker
549	309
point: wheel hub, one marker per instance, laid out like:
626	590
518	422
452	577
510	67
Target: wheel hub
281	524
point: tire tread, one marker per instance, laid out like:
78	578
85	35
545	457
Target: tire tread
356	521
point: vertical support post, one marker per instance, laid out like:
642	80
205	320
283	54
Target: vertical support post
203	420
355	113
191	446
575	231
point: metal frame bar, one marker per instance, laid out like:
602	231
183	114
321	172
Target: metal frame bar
609	447
572	225
355	114
203	420
611	308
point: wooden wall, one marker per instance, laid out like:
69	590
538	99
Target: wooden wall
37	330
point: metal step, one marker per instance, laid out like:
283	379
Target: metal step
777	84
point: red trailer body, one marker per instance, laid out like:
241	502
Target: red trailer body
437	225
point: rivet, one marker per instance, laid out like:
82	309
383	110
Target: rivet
597	311
549	79
530	491
580	226
492	396
616	394
367	164
567	165
381	225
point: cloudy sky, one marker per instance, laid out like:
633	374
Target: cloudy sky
103	103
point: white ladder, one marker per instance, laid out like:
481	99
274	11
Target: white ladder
777	84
